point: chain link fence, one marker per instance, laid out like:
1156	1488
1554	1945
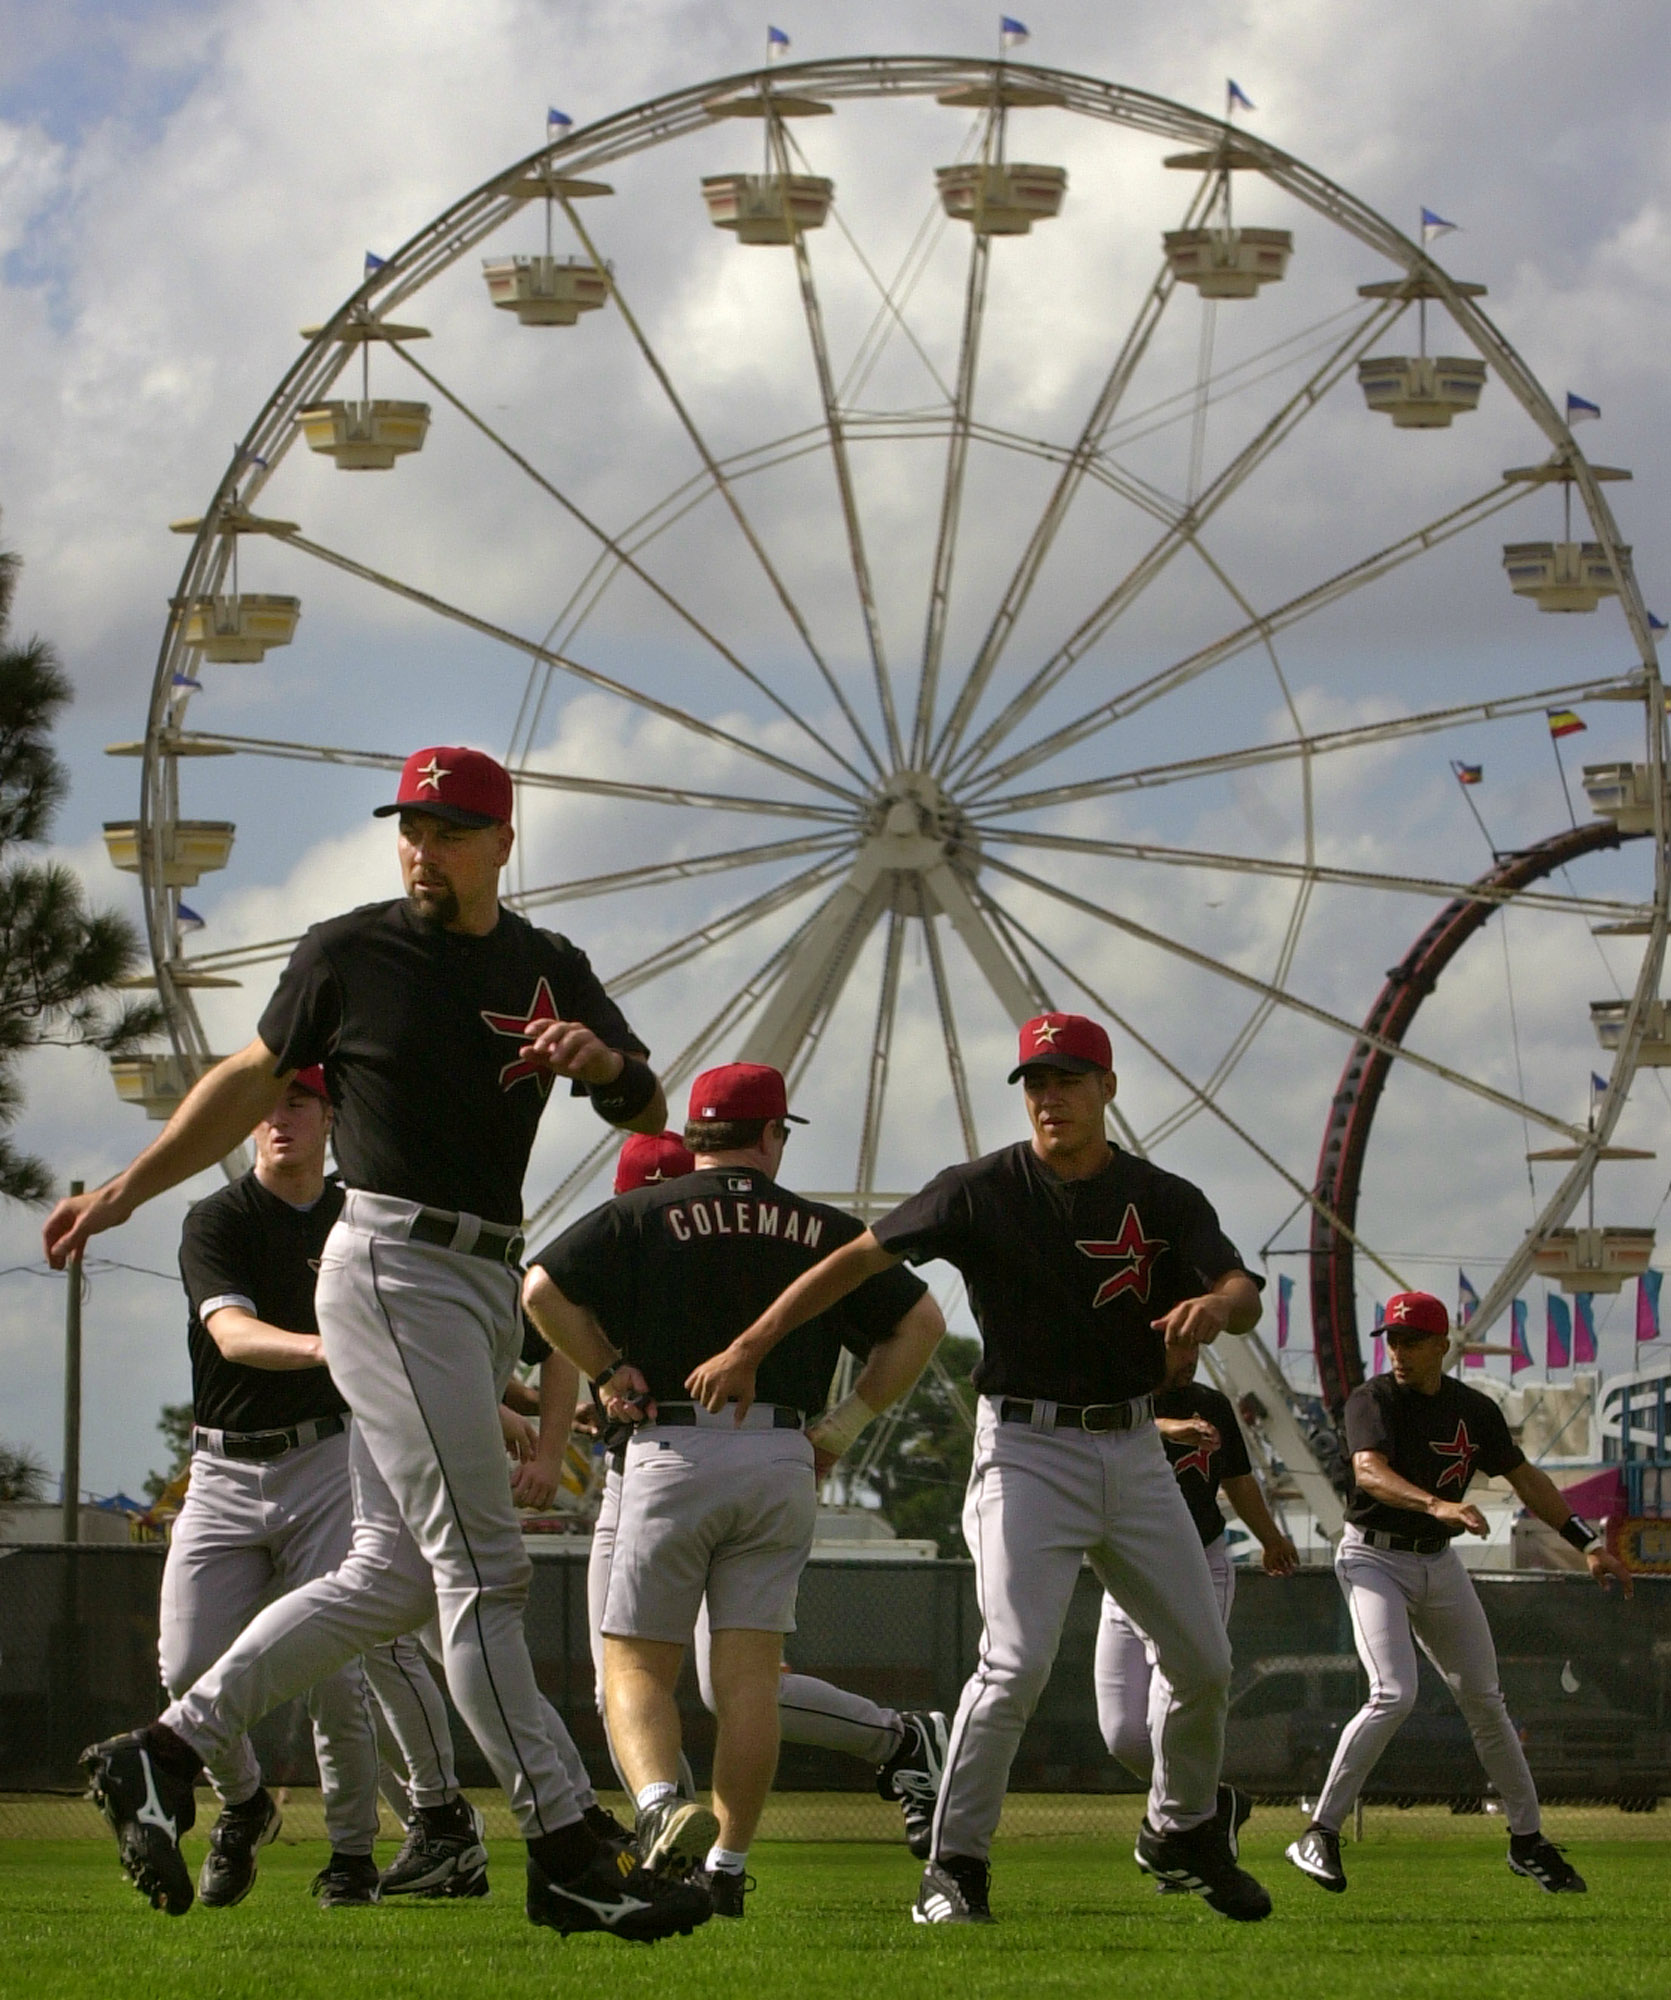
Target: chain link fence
1587	1678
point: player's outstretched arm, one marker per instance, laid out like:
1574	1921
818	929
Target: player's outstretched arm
534	1482
1247	1496
1230	1305
219	1113
728	1377
1547	1501
243	1338
1377	1478
890	1371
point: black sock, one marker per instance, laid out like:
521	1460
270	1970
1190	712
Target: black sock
566	1853
452	1816
1523	1843
172	1752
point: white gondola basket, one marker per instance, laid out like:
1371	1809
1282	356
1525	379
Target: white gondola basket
191	848
1593	1260
157	1084
238	630
1422	392
1623	793
767	208
1653	1051
1228	263
364	437
546	291
1561	576
1005	199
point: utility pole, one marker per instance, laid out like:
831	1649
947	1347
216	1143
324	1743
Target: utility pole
72	1395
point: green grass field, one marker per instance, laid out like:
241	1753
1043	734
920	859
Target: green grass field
1432	1910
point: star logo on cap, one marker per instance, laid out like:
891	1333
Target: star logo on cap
1138	1253
1044	1035
541	1008
431	774
1461	1451
1200	1460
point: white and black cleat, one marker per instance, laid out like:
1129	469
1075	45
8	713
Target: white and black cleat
1199	1860
615	1896
727	1887
444	1854
956	1889
674	1835
1234	1811
911	1777
236	1838
148	1808
347	1882
1317	1853
1542	1862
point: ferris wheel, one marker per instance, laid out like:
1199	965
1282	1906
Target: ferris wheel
906	458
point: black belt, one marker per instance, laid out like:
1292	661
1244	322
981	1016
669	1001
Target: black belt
1409	1545
266	1444
439	1226
1094	1417
683	1415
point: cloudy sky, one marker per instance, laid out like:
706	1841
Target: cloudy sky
183	187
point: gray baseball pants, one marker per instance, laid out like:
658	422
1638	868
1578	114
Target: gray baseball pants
1041	1502
248	1529
421	1341
1399	1599
1133	1695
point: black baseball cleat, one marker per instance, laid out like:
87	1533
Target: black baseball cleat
1545	1864
443	1854
726	1889
1199	1860
602	1824
1317	1853
1234	1811
954	1890
674	1836
149	1807
614	1895
346	1882
228	1872
911	1776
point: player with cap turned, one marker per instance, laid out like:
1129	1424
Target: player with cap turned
441	1019
905	1747
1084	1265
716	1504
1417	1437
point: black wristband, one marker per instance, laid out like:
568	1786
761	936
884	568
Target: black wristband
1576	1530
630	1092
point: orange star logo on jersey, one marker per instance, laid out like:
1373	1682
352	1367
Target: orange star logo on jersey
1200	1460
1137	1250
1461	1451
541	1009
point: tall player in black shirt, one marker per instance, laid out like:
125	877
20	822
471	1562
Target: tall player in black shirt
1417	1437
1083	1265
442	1020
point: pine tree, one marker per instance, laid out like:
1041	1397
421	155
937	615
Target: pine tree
59	959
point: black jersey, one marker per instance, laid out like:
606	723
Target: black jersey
248	1247
1064	1277
418	1029
1201	1470
1436	1442
674	1272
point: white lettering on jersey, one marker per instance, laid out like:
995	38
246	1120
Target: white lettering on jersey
699	1215
765	1219
814	1229
743	1228
792	1227
679	1223
721	1226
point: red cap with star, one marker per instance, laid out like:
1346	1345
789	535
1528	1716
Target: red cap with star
1416	1312
468	787
740	1091
1063	1041
651	1157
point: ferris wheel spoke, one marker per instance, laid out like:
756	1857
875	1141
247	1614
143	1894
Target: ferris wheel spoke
668	957
1203	1099
1599	907
623	558
881	1050
1204	962
1256	631
1193	518
589	675
723	485
948	1030
685	869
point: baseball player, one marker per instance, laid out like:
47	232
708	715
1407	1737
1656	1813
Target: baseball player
1083	1266
906	1748
1417	1437
717	1505
1206	1450
269	1502
442	1020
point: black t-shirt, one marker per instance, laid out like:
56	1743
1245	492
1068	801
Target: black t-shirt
246	1246
674	1272
418	1029
1064	1277
1436	1442
1200	1470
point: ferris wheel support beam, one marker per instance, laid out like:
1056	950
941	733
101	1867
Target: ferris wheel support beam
812	981
948	1028
881	1051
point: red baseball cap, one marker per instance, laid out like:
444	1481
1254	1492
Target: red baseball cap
468	787
312	1078
649	1157
1416	1312
1063	1041
740	1090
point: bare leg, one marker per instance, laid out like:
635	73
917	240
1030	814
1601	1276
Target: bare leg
745	1677
639	1678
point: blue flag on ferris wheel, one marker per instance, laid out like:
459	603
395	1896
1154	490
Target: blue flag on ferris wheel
1237	95
374	263
1598	1085
1011	33
1580	410
187	919
1467	1299
557	121
776	43
1435	226
1656	623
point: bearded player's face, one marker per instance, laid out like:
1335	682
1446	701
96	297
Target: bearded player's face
451	872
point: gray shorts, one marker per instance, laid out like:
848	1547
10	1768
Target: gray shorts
711	1509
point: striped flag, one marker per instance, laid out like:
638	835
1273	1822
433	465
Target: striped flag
1584	1327
1468	774
1562	722
1435	226
186	918
186	681
556	121
777	44
1580	410
1557	1352
1522	1355
1284	1301
1647	1305
1011	33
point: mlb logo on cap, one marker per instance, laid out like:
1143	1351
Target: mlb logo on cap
649	1158
1063	1041
1416	1312
467	787
737	1092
